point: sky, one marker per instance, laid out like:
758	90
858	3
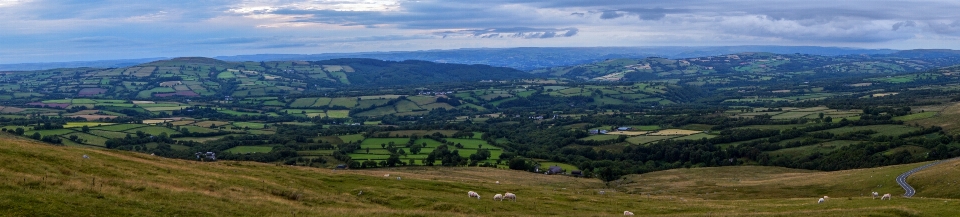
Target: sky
77	30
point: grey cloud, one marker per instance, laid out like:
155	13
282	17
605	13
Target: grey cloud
902	24
515	32
235	40
641	13
945	28
606	15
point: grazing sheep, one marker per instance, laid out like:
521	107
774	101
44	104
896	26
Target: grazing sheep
885	196
510	196
398	178
820	201
826	198
498	182
627	213
875	195
387	175
473	194
602	192
498	197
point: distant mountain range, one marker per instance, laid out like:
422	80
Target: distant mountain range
524	58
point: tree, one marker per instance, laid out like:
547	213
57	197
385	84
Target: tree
36	135
19	131
85	129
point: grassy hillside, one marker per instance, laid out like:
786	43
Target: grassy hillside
42	180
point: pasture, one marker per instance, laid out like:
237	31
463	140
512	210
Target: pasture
250	149
720	191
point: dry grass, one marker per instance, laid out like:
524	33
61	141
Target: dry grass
43	180
930	182
946	118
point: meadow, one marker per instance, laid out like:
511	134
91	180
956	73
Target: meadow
57	181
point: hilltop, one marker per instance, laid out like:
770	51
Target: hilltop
41	179
748	66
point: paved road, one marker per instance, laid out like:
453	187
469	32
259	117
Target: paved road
902	179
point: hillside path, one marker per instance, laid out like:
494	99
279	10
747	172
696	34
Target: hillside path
902	179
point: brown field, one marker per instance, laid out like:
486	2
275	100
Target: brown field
93	117
8	109
883	94
154	121
669	132
181	123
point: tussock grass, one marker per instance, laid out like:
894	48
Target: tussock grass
43	180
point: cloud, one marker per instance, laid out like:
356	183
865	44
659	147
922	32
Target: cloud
903	24
515	32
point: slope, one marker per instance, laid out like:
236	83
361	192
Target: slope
43	180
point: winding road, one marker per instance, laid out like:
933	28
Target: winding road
902	179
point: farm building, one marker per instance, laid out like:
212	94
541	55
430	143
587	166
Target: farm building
341	166
624	128
206	156
554	170
576	173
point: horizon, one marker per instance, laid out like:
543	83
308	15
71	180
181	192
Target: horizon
55	31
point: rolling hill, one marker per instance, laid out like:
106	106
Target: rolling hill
44	180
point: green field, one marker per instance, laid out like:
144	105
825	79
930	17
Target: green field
119	127
48	132
601	137
153	130
88	124
375	142
351	138
470	143
250	149
916	116
637	140
346	102
886	130
108	134
251	125
89	139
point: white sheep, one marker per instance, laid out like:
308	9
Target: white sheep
627	213
826	198
602	192
473	194
498	182
875	195
398	178
387	175
510	196
820	201
885	196
498	197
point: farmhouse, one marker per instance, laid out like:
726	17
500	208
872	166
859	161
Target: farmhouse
624	128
